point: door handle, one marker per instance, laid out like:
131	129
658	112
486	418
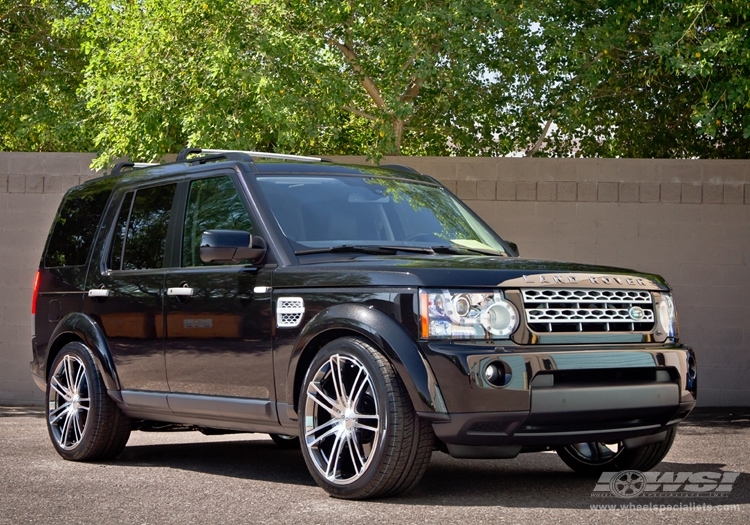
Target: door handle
98	292
181	291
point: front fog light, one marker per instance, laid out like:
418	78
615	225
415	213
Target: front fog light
461	315
494	374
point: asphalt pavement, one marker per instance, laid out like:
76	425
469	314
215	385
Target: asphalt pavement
186	477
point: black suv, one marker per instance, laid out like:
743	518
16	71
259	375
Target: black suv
361	312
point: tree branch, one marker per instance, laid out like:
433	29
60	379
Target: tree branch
412	91
692	24
540	141
360	113
365	80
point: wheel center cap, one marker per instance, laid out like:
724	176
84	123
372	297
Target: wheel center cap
348	419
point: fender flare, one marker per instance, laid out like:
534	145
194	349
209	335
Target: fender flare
87	330
389	336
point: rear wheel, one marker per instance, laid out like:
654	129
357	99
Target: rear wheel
285	441
83	422
360	435
593	458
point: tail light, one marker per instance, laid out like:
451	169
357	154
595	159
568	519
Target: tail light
36	291
33	304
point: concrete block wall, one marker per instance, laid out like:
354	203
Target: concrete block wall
688	220
31	187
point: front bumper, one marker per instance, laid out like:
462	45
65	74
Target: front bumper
554	396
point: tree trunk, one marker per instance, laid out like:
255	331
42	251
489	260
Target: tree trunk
398	132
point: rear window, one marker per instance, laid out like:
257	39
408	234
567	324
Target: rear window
75	225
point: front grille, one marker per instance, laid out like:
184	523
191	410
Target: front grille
580	310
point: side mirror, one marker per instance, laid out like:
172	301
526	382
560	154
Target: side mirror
231	246
513	246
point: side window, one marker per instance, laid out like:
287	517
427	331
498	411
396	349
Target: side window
75	225
213	204
141	229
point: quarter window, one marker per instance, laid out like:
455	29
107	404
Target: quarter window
75	225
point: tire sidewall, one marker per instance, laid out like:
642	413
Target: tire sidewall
349	346
94	386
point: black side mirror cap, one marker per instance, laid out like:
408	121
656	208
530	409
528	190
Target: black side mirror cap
513	246
231	246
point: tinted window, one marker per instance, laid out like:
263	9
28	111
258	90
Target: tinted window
75	225
141	229
328	211
213	204
121	231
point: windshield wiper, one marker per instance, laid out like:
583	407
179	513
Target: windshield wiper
415	249
454	248
374	249
356	248
367	248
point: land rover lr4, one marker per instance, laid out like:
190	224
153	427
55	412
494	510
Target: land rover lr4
361	313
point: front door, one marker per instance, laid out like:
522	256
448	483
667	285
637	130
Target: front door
217	329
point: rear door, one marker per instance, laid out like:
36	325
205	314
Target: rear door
125	291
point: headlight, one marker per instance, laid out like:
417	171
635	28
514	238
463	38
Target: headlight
668	323
466	315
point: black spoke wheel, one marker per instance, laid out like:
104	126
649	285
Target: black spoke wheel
360	435
285	441
593	458
83	422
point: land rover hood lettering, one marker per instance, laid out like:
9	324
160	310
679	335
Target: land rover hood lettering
583	279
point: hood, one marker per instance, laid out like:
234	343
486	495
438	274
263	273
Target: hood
457	271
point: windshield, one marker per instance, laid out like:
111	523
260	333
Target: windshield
324	212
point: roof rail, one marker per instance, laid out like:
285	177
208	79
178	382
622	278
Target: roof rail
399	167
182	156
122	166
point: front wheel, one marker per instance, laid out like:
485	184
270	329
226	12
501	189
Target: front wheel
83	422
360	435
593	458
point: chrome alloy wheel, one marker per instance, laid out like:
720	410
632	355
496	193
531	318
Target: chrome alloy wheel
68	402
343	419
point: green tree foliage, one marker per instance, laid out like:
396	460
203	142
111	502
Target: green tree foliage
709	43
165	73
40	72
637	78
413	76
643	78
298	76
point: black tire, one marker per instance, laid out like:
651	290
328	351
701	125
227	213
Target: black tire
361	437
285	441
83	422
591	459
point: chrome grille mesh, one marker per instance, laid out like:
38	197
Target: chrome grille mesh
582	310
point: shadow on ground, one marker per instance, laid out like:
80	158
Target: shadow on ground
529	481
